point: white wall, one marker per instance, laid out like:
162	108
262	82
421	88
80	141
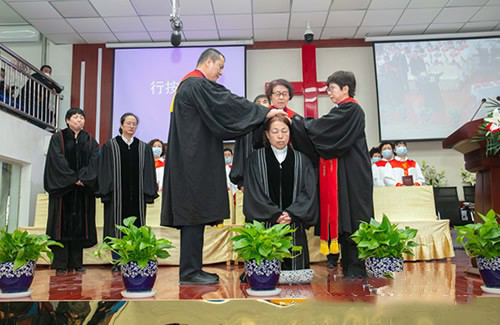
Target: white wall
266	65
25	144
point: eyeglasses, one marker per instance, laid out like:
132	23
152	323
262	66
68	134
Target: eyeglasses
277	94
130	124
329	91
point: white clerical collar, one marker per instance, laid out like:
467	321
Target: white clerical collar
280	154
126	141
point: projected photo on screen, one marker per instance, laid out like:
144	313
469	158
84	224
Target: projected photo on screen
145	81
428	89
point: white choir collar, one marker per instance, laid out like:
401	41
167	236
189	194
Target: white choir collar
126	141
400	159
280	154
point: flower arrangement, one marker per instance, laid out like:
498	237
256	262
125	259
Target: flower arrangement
489	131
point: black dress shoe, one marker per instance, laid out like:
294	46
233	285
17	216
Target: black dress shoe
243	277
199	278
61	271
212	275
333	260
80	269
116	268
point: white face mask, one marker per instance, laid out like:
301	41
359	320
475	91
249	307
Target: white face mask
47	73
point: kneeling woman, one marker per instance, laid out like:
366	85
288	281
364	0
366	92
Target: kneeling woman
280	187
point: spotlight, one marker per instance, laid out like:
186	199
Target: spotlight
175	39
176	24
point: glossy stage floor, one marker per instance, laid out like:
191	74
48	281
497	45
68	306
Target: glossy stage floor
443	281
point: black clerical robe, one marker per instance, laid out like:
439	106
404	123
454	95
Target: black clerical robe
127	182
71	207
272	188
340	135
203	114
242	149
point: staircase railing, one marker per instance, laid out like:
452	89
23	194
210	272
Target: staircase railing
28	92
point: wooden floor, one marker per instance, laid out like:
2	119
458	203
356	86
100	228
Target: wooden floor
443	281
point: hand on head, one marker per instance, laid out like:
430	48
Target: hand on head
273	112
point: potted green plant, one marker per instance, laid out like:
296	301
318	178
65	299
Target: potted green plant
482	240
138	251
19	252
263	249
382	245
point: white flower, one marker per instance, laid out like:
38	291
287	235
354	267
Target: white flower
494	120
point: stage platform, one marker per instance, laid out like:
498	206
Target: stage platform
437	292
443	281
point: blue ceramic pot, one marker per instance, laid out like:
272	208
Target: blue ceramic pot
378	267
490	271
137	279
16	280
264	276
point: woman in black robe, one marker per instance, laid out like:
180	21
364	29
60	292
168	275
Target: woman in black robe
280	187
70	178
127	178
339	139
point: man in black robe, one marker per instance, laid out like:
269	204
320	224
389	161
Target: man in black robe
203	114
281	187
127	178
346	184
70	178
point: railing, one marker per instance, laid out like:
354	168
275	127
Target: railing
28	92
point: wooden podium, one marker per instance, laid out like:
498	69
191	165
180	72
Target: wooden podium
487	170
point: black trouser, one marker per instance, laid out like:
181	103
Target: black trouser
191	259
351	264
69	257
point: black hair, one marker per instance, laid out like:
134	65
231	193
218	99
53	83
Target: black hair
267	126
400	142
259	97
163	148
343	78
383	143
73	111
124	116
373	151
210	53
46	66
228	149
278	82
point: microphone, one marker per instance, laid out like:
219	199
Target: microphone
480	105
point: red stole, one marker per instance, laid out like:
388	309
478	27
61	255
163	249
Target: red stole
196	74
329	213
288	111
329	202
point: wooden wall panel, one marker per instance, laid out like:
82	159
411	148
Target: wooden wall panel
88	53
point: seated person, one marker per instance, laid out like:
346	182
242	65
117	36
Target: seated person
228	161
376	157
281	188
9	90
402	166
